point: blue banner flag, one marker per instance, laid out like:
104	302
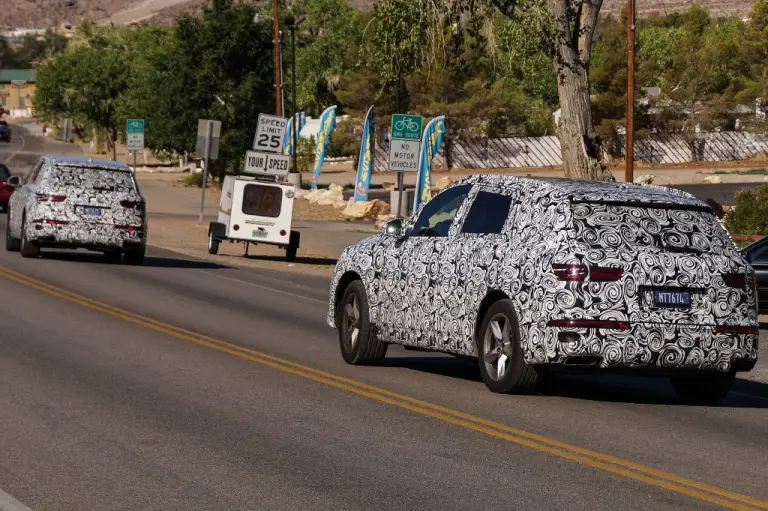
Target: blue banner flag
289	137
365	165
431	141
327	123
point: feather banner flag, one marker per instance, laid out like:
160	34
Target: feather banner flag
431	141
289	138
365	163
327	123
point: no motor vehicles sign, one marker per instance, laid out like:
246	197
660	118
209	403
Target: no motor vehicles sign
404	155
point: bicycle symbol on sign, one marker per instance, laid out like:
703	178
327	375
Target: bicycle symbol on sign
406	125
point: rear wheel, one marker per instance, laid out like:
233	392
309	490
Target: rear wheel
213	243
134	256
293	246
27	249
357	339
11	244
502	366
707	389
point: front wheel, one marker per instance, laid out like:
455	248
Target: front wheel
357	338
501	361
707	389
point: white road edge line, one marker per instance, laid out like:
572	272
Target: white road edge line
8	503
295	295
17	150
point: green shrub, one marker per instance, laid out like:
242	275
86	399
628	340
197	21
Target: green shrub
305	159
750	213
193	179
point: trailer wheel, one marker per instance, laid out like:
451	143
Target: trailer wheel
293	246
213	243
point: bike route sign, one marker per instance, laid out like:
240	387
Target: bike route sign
407	127
134	137
405	142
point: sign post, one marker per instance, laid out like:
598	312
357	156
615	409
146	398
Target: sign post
267	157
404	148
134	137
208	133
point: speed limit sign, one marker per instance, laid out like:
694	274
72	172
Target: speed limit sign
270	133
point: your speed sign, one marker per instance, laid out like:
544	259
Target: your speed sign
270	133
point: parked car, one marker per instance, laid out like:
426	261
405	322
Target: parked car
5	131
756	253
5	189
531	275
69	202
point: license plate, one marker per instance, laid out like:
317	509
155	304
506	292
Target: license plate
672	299
259	234
92	211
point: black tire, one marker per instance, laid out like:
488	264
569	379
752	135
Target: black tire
360	347
113	256
503	340
213	243
27	248
293	246
11	244
134	256
707	389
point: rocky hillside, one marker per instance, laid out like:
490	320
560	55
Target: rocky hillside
54	13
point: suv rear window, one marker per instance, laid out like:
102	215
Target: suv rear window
89	178
605	225
260	200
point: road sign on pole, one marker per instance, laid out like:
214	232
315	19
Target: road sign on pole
208	133
407	127
267	163
404	147
134	138
270	133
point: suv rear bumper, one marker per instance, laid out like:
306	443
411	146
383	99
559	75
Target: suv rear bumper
94	237
648	347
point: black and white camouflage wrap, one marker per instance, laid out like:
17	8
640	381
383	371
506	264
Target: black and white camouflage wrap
427	291
101	184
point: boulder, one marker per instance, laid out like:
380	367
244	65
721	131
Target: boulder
713	180
645	179
366	210
765	179
444	183
301	194
389	186
334	187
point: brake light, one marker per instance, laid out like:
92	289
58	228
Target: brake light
579	273
52	222
130	228
748	330
132	204
738	280
590	323
44	197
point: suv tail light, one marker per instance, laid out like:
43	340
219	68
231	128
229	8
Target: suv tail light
132	204
579	273
44	197
130	228
52	222
748	330
589	323
737	280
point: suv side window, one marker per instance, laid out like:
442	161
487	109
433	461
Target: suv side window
488	214
438	214
759	254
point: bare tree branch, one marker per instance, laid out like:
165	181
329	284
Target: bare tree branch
589	14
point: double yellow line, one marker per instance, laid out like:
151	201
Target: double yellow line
497	430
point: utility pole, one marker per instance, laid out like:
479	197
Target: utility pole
630	128
278	59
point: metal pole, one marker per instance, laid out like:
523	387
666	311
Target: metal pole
400	175
295	108
134	162
205	169
630	129
282	88
278	66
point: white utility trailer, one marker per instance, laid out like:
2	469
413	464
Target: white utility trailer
255	210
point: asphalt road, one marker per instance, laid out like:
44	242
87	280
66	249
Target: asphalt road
188	385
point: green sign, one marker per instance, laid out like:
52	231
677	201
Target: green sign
135	126
406	127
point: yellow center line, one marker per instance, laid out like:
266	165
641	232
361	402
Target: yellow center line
541	443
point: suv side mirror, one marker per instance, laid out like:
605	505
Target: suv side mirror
394	228
14	181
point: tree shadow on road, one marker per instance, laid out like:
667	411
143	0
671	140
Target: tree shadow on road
586	387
